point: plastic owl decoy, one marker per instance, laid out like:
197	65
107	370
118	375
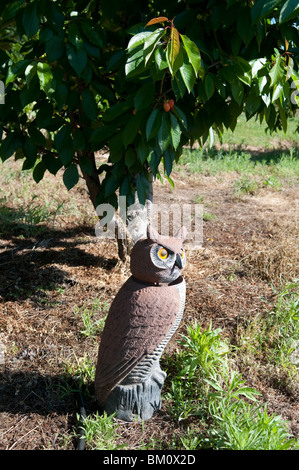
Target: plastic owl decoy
142	318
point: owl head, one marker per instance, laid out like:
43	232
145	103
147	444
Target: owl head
157	258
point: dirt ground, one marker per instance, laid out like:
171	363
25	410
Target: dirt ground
250	242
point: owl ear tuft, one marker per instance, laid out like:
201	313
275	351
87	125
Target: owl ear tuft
152	233
182	233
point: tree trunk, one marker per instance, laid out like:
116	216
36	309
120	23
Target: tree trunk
137	216
92	180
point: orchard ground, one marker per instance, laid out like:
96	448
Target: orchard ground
53	269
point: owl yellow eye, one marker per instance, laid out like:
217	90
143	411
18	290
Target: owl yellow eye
163	253
182	254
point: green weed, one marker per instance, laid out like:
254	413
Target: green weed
27	219
208	216
82	369
100	432
273	338
274	167
246	185
228	413
93	317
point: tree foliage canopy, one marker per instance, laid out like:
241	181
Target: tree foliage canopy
140	80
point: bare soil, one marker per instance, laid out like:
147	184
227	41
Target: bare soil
250	243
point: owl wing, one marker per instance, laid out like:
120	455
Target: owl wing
138	320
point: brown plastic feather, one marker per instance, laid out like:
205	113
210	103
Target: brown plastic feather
140	317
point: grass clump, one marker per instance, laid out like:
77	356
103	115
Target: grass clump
100	432
93	317
29	219
223	411
271	341
270	169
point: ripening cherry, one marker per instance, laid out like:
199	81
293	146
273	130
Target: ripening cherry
166	106
171	103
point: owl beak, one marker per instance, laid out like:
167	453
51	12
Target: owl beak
178	261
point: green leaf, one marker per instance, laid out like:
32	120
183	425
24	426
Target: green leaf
262	8
237	90
154	161
174	45
16	70
10	9
77	57
91	33
54	48
244	27
142	187
30	72
102	134
277	71
169	157
111	185
242	69
71	176
153	124
39	171
64	144
142	151
193	54
288	11
138	39
278	92
30	20
151	42
130	157
63	137
89	104
144	96
36	135
45	76
9	145
116	110
253	102
160	58
52	163
44	116
179	61
188	75
178	86
175	131
79	140
209	86
256	65
164	133
85	164
134	63
130	130
60	95
181	115
30	150
283	117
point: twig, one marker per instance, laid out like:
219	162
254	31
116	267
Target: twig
22	437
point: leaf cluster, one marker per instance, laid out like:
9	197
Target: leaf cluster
85	76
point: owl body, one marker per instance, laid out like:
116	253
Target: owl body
142	318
